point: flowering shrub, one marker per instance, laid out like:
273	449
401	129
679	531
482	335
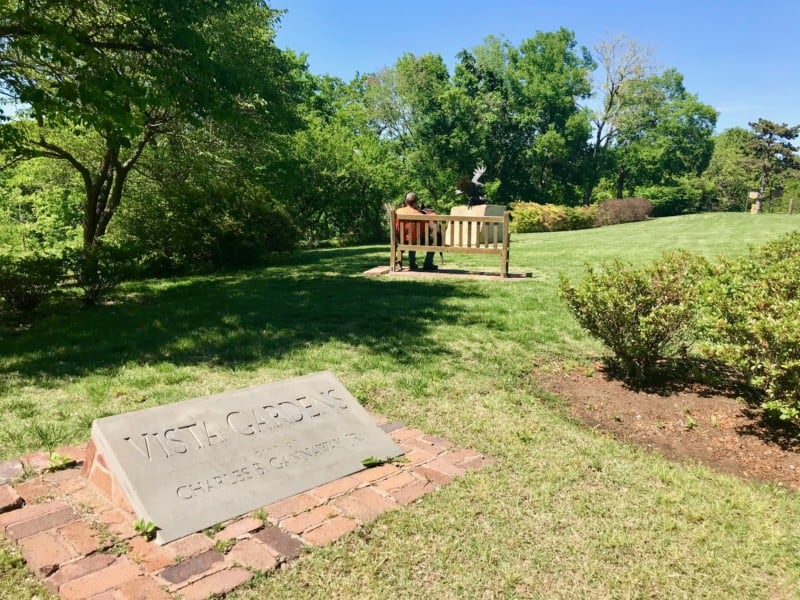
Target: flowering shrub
530	217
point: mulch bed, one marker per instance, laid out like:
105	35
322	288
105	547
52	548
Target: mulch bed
694	423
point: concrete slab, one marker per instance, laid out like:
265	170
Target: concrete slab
190	465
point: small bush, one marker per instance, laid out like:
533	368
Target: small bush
643	315
623	210
100	268
679	197
27	280
752	321
530	217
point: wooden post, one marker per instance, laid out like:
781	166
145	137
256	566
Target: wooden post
506	242
392	242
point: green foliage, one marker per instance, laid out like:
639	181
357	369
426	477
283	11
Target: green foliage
59	462
125	73
26	280
682	196
732	169
622	210
752	320
40	205
643	315
99	268
529	217
146	529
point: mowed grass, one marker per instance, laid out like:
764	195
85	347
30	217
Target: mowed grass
566	511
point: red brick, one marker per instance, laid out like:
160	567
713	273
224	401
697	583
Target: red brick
32	511
308	519
119	522
142	588
190	568
44	553
91	498
291	506
23	529
107	595
279	542
10	470
240	528
33	489
88	459
118	496
399	435
415	491
419	444
218	583
460	457
101	460
434	475
67	486
364	504
81	537
375	473
329	531
101	478
189	546
149	555
77	569
120	572
394	482
437	441
253	555
444	467
36	461
417	457
334	488
9	499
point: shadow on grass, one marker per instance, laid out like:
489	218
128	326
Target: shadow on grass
240	319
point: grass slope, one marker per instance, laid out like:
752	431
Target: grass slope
565	512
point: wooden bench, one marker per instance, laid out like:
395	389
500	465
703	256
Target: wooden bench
450	233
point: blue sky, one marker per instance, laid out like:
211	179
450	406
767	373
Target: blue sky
741	57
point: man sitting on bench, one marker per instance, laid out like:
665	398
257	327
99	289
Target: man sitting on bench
412	232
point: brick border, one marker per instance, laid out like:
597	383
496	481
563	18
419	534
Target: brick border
74	526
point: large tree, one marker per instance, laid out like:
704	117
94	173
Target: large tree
623	63
127	71
731	168
664	134
774	148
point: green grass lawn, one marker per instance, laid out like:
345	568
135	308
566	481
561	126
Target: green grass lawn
565	512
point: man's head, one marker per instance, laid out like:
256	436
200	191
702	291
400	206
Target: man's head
411	200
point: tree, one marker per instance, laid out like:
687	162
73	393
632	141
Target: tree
624	62
127	71
773	147
731	168
664	134
550	75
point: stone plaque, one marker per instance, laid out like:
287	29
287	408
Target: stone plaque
190	465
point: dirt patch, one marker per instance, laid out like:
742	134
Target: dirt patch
693	424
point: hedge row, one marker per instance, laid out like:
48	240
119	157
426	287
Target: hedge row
744	313
529	217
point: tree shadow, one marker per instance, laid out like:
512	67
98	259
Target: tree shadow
240	319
